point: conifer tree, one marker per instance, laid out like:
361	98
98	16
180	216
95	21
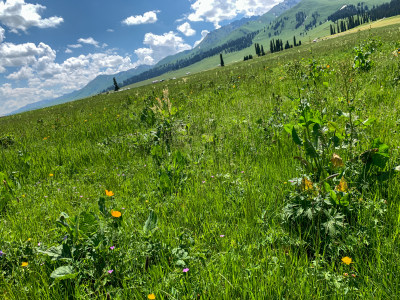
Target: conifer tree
116	87
222	60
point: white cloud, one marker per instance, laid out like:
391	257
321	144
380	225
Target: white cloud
203	35
186	29
24	73
75	46
215	11
147	18
12	55
89	41
2	36
18	15
110	30
145	56
48	79
160	46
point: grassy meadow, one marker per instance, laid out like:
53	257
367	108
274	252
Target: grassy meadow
274	178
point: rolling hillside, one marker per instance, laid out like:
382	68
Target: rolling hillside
304	19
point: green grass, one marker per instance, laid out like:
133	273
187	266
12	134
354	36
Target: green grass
217	164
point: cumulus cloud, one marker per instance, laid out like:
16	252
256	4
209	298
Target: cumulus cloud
89	41
203	35
160	46
18	15
12	55
48	79
147	18
215	11
2	36
186	29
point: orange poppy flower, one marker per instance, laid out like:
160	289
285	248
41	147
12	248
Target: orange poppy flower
109	193
115	213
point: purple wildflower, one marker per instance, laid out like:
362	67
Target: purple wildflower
1	253
112	247
222	235
110	271
185	270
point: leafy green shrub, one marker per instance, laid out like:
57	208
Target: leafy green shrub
7	141
362	61
325	206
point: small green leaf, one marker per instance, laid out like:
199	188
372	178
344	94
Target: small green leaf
327	187
333	196
64	272
310	150
369	121
288	128
62	220
296	137
151	222
54	252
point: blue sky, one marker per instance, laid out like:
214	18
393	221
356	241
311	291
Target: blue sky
52	47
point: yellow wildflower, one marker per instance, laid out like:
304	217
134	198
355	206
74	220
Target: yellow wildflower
342	186
347	260
51	175
337	161
151	296
306	184
24	264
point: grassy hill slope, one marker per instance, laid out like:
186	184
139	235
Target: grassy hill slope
266	179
